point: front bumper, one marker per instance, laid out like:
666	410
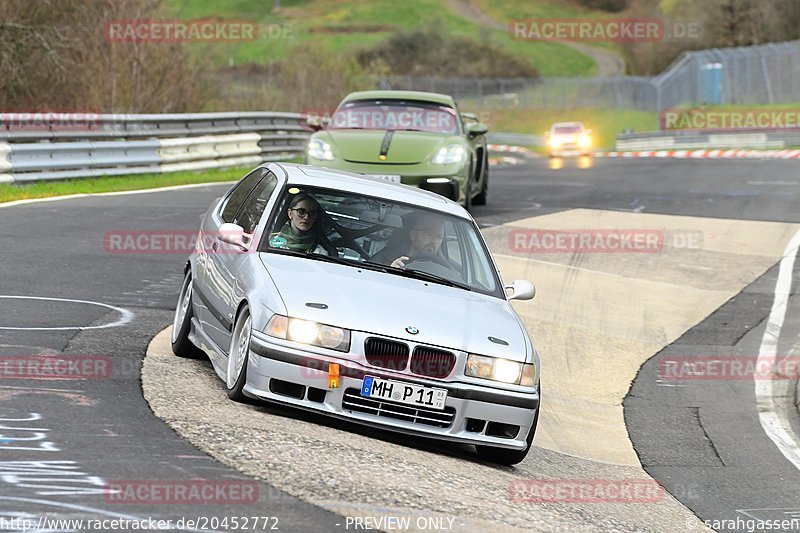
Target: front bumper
569	150
473	414
425	176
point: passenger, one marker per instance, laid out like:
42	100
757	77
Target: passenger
301	232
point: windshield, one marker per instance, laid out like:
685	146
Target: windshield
395	238
566	130
395	115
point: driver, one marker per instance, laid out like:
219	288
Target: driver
426	237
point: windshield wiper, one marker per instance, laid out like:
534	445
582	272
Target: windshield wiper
376	266
329	259
419	274
408	273
310	255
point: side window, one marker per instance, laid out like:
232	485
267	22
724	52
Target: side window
481	269
239	194
453	247
254	206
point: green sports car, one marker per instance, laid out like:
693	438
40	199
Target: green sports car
409	137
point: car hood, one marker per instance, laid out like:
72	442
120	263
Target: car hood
385	304
405	147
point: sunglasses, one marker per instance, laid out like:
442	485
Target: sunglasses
302	213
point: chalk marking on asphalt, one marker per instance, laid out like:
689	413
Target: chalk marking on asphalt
792	183
125	315
789	511
770	421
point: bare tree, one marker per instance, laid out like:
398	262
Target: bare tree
55	55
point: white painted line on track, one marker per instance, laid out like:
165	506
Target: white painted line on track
125	315
773	426
115	193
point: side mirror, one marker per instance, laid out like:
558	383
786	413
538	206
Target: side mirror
234	235
469	117
521	289
473	130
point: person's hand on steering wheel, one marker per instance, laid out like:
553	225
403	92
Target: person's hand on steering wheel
400	262
403	261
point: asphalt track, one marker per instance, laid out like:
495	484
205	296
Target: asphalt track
700	439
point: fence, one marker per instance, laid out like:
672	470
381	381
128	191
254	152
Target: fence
535	93
763	74
108	145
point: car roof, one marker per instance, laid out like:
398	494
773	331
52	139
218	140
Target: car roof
567	124
422	96
352	182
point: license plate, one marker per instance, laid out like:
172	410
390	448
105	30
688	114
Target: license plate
392	178
397	391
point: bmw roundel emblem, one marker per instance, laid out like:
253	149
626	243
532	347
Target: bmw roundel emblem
412	330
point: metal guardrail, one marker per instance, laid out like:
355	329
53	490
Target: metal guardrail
34	148
39	148
515	139
681	140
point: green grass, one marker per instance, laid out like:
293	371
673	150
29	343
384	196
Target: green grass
47	189
350	18
509	10
605	124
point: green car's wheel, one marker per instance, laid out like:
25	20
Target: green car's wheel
481	198
468	190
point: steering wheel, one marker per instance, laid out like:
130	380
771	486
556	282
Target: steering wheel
350	244
428	258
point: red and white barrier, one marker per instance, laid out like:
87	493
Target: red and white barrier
706	154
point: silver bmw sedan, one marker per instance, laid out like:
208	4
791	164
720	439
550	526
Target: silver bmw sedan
365	300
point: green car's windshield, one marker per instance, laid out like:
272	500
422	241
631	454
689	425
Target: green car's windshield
396	115
379	234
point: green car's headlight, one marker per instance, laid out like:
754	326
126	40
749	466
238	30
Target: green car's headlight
503	370
308	332
319	149
453	153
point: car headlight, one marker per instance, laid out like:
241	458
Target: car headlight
503	370
584	141
555	142
319	149
446	155
308	332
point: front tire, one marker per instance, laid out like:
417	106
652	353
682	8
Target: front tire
504	456
483	195
238	355
468	190
182	322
